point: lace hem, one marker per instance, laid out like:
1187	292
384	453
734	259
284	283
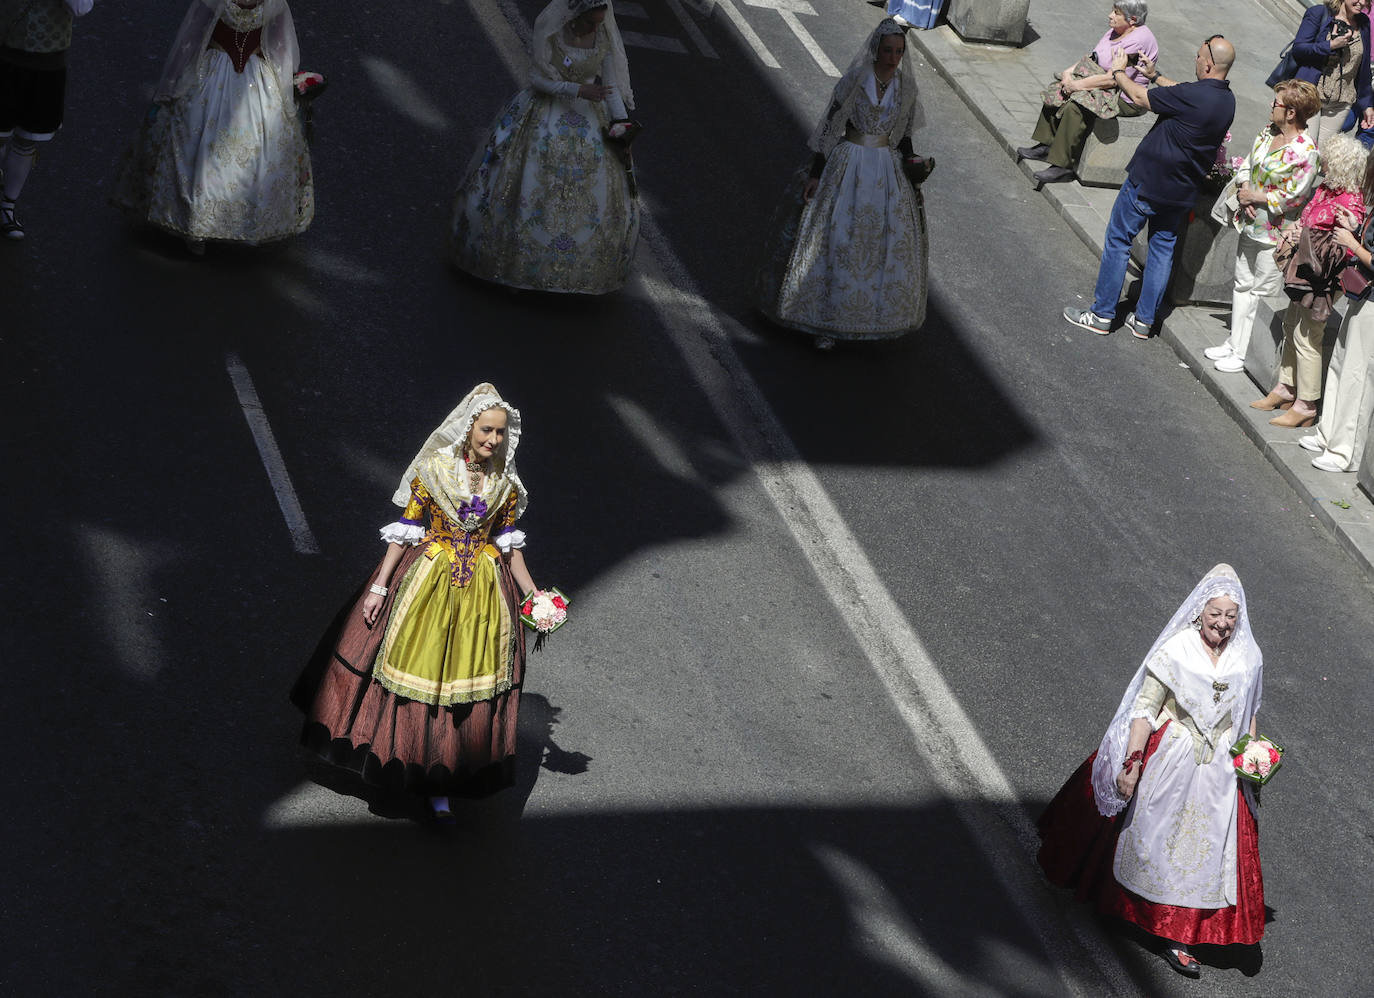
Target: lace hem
402	533
509	540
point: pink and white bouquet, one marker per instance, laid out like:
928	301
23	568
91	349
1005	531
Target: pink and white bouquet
1256	759
544	611
309	85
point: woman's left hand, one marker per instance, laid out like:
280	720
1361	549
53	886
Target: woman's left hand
1367	120
1345	238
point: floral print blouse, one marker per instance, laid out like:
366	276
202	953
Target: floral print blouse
1285	175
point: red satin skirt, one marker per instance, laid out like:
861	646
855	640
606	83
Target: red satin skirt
1078	847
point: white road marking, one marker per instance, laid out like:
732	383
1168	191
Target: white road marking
693	32
660	42
967	773
788	11
301	537
945	738
883	930
747	33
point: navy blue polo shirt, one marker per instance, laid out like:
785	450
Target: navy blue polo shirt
1170	162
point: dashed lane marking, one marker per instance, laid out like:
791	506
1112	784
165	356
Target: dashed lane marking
301	537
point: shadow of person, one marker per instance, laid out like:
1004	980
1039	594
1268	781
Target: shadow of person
535	749
1246	959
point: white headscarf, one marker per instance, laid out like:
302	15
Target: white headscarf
615	72
440	464
830	128
279	45
1196	694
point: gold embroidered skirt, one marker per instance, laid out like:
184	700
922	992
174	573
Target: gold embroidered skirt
852	262
355	721
546	204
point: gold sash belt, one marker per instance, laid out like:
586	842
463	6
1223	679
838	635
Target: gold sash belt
869	141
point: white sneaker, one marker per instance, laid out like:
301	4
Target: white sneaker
1230	365
1325	462
1312	442
1218	353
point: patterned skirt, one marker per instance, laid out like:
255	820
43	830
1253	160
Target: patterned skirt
852	263
227	161
353	721
1078	848
546	204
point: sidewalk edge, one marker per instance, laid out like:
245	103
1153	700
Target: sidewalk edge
1360	550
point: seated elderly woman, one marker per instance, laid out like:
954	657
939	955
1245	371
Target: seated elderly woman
1085	92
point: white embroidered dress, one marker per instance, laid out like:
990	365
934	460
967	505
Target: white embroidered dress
854	265
222	155
546	204
1178	839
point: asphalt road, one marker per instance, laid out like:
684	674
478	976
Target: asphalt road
718	792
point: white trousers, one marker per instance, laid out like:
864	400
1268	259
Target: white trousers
1257	276
1350	388
1329	121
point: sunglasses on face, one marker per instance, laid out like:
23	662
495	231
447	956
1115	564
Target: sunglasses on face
1208	43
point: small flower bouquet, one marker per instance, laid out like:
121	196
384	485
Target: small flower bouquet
918	168
1223	167
1256	759
544	611
623	132
309	85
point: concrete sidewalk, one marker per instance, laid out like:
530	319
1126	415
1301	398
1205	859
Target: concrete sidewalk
1002	86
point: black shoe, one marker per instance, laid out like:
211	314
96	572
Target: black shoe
1054	175
1184	962
1037	152
9	222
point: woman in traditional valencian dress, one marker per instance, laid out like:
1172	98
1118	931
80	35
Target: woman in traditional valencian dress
222	155
853	266
417	685
1154	828
548	203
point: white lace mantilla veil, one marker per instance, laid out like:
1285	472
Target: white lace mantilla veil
615	72
278	41
830	128
1194	693
439	463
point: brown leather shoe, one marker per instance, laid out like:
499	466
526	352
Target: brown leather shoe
1272	401
1293	419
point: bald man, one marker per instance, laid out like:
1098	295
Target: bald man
1162	181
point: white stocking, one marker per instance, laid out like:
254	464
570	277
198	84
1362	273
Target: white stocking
19	157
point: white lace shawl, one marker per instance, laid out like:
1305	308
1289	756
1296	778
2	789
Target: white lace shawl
279	44
830	128
1241	661
439	463
615	72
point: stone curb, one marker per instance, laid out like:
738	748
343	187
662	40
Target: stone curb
1188	334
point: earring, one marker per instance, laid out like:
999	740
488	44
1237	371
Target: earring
1197	623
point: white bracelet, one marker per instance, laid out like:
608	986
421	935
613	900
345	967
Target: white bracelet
379	590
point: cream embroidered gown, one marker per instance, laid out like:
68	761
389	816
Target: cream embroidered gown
853	266
225	161
1178	839
546	205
